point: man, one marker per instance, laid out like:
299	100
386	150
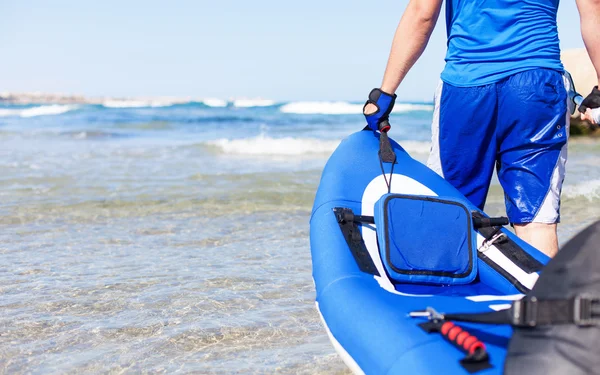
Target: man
502	101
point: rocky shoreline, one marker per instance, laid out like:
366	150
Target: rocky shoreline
49	98
45	98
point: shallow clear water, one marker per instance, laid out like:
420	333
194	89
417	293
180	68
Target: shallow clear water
176	238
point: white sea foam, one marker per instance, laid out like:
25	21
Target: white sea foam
263	145
10	112
43	110
215	102
248	103
408	107
344	108
322	108
415	147
137	103
589	189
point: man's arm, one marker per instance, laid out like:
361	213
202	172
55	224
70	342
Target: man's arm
412	35
413	32
589	12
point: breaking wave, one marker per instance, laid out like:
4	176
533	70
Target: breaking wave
322	108
416	147
263	145
249	103
218	103
344	108
408	107
43	110
587	189
138	103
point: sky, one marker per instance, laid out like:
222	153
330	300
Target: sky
282	50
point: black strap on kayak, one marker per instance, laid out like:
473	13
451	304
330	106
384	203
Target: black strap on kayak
480	221
348	223
346	215
386	153
515	253
508	247
531	312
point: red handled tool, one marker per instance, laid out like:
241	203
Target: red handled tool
476	356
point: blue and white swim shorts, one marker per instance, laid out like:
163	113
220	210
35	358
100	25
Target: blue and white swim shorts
519	124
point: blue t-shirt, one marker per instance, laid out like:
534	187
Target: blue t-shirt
489	40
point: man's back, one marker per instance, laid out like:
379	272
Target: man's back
489	40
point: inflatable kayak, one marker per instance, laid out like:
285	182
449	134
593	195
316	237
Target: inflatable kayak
390	239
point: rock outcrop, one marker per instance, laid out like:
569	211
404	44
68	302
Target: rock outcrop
578	63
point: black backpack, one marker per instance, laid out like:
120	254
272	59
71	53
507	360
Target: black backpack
573	348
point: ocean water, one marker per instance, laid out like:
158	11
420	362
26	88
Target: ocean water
148	236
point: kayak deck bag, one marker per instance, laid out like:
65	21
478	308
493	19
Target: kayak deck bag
426	239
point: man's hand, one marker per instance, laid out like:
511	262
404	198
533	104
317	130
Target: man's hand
591	101
591	115
590	107
377	109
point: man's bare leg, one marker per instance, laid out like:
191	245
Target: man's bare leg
541	236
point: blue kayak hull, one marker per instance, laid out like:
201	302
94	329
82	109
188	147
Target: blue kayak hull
366	315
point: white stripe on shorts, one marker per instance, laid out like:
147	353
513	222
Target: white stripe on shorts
434	162
549	210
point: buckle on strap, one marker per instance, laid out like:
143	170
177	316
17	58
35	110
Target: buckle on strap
487	243
524	312
583	311
531	312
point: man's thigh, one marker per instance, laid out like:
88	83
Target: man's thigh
463	138
532	131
